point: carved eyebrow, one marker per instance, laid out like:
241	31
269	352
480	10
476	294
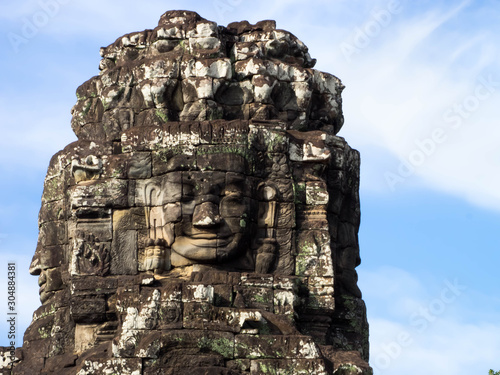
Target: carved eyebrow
233	194
206	198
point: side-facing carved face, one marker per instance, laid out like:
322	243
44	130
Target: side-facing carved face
49	280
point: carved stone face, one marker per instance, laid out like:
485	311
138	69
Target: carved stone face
202	216
214	218
49	281
47	265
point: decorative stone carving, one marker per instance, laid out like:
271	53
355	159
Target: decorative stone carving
157	257
206	219
89	169
90	256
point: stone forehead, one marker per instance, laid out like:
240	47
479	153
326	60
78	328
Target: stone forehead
196	133
232	146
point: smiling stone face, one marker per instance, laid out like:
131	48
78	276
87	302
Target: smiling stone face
215	212
203	216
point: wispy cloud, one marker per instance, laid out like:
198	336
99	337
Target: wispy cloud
29	144
401	86
423	329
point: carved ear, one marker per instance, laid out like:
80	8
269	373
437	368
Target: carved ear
267	195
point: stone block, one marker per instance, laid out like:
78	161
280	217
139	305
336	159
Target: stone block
285	302
103	193
227	159
158	191
131	366
95	285
140	165
314	265
88	309
197	293
53	233
53	211
191	342
257	280
270	346
254	298
287	366
124	245
205	316
92	221
185	364
316	193
285	217
223	295
170	315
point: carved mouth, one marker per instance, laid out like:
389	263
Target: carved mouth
203	236
42	283
201	248
44	296
204	240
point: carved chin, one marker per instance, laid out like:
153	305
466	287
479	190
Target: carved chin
44	296
206	250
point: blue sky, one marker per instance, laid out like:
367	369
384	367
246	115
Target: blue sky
421	105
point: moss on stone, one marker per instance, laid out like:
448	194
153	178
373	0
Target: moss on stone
161	115
221	346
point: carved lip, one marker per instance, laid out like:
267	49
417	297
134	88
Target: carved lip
42	282
203	236
206	241
43	294
220	232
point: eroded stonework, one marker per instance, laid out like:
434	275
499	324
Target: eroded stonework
205	222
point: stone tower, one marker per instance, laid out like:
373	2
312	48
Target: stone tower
205	222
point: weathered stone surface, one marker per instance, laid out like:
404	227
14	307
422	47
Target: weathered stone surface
205	222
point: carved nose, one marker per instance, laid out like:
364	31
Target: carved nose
206	214
35	266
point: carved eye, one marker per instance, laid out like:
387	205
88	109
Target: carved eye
232	199
187	198
232	205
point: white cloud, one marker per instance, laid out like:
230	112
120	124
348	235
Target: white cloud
417	327
31	136
399	87
448	347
